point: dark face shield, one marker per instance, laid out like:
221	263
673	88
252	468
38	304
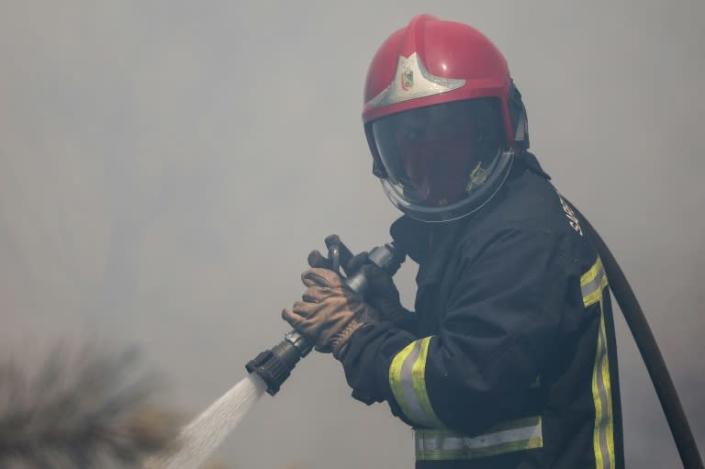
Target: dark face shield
444	161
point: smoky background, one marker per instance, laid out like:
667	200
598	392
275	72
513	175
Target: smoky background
166	166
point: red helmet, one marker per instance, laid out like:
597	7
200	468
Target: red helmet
442	118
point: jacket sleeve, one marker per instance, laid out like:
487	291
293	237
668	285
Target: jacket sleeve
496	335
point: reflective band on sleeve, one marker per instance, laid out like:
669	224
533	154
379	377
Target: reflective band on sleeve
593	284
407	378
518	435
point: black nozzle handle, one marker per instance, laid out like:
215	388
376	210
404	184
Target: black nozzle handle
386	257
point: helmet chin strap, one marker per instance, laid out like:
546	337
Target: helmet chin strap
519	119
521	135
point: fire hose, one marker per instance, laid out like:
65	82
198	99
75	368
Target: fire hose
650	353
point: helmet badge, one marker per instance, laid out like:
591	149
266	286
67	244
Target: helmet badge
412	80
478	176
407	79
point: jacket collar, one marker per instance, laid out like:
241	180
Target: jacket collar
529	161
427	243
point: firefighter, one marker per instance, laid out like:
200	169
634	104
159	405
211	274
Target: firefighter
509	359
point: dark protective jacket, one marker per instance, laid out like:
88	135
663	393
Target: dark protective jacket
509	360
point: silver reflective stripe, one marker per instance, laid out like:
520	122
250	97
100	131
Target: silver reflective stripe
592	283
445	445
412	406
407	379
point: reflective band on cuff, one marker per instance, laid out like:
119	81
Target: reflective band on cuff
592	282
439	445
407	378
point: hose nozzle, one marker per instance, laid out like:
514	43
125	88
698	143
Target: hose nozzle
274	365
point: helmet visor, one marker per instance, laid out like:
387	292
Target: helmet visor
439	158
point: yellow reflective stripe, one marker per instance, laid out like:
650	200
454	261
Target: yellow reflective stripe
407	378
603	436
593	284
419	382
395	376
438	445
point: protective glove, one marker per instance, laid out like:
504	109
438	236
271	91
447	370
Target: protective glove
330	311
382	294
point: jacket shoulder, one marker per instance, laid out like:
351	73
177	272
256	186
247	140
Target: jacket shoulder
531	206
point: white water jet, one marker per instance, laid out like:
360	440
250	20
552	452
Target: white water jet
200	438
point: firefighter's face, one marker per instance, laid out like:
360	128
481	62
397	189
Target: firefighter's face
443	159
437	155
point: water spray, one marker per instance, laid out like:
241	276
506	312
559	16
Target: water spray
267	371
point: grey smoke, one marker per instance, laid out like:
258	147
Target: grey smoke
165	167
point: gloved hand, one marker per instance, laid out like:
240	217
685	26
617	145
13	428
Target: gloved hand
382	294
330	311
